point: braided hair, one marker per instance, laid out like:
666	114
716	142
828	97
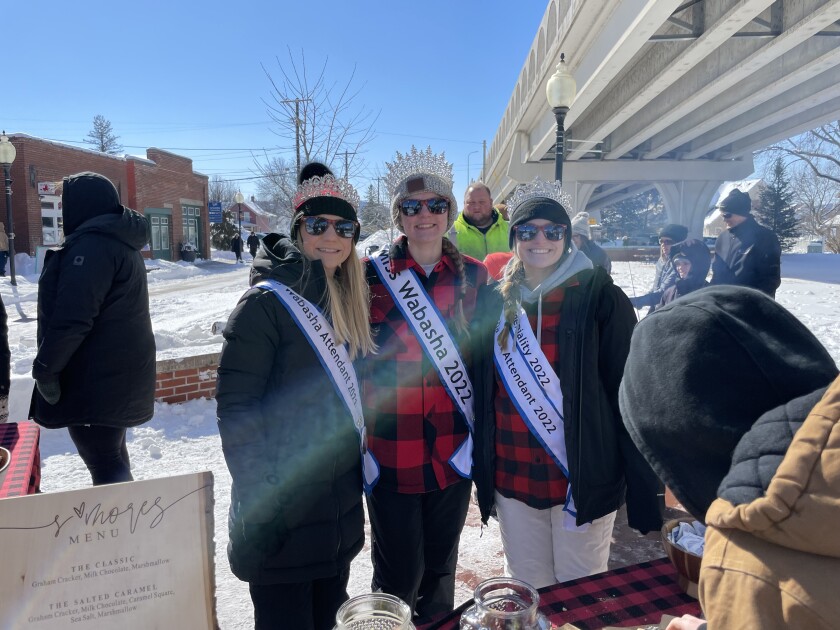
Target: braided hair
460	319
509	290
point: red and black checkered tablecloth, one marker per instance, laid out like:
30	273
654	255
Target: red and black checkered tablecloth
23	475
630	596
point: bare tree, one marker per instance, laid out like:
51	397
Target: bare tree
276	184
819	149
220	189
375	215
102	136
817	199
322	119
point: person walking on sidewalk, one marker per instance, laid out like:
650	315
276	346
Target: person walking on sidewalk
253	243
236	246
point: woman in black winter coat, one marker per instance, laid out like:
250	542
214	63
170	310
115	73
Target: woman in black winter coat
289	440
95	367
691	259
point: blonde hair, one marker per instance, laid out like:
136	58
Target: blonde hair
509	289
347	304
460	319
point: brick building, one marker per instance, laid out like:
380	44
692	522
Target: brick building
162	186
254	216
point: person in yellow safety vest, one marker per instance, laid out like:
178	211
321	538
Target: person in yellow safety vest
480	229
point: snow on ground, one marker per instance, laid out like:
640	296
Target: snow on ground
186	299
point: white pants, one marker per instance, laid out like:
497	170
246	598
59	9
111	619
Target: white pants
540	552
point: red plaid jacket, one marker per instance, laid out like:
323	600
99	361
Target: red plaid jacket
524	469
413	425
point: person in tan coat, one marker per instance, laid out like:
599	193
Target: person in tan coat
743	424
774	562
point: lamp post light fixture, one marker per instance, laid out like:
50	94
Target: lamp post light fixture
7	156
560	92
238	198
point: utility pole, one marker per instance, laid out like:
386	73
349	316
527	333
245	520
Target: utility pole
346	155
483	160
297	102
378	198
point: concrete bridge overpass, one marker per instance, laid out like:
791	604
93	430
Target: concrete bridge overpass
675	94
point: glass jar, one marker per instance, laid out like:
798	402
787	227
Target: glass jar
504	604
374	611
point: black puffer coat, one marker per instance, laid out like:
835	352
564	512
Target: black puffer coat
288	439
594	338
94	330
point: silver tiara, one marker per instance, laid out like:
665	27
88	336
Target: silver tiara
416	163
539	189
326	186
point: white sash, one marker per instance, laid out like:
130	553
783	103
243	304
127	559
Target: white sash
428	326
534	388
336	362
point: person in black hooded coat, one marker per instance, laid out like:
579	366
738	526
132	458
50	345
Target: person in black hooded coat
296	518
692	260
95	366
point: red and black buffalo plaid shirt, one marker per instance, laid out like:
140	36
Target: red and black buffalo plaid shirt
413	425
524	469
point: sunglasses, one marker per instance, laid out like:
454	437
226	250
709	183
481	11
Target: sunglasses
411	207
316	226
726	215
528	231
666	241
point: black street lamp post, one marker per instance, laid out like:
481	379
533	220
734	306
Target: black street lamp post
238	198
560	92
7	156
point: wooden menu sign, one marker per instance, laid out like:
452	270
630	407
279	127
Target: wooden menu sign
129	555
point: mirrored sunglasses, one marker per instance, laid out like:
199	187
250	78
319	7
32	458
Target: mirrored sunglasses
528	232
318	225
410	207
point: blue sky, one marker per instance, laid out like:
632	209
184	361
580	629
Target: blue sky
186	75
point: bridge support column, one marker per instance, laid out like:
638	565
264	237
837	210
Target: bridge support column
688	202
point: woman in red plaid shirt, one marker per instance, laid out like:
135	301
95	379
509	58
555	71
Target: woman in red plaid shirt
552	454
416	392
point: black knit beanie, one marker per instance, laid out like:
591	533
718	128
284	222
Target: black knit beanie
736	202
701	371
539	208
326	204
675	232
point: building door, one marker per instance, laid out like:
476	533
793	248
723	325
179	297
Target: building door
52	223
192	227
159	231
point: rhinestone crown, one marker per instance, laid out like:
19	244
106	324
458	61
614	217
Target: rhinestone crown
326	186
415	163
539	188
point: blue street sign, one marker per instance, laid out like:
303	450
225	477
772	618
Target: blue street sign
215	211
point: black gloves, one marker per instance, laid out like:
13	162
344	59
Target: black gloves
49	390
